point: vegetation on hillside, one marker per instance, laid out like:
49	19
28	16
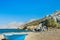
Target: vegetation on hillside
36	22
48	21
51	23
33	24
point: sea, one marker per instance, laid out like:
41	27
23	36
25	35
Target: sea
14	36
11	30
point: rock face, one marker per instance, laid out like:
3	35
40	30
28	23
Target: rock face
36	23
1	37
55	15
32	25
41	27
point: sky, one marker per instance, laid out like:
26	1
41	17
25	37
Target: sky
24	10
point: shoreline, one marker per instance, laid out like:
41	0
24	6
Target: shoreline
48	35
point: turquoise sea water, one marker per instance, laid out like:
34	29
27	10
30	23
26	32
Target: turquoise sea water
14	36
11	30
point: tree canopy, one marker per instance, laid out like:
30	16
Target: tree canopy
50	23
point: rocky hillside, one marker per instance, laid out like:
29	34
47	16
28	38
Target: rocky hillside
35	23
32	25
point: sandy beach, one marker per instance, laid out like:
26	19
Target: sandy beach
49	35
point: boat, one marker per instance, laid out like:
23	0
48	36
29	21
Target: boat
15	36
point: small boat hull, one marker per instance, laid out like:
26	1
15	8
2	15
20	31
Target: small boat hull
15	37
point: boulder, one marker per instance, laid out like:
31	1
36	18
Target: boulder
2	37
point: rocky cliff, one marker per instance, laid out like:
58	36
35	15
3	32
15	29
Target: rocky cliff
34	24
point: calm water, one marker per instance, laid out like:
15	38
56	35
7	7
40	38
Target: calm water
11	30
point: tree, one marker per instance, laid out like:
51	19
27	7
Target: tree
50	22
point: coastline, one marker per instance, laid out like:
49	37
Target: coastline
48	35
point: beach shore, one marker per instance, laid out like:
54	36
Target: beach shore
48	35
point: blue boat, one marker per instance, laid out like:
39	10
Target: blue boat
15	36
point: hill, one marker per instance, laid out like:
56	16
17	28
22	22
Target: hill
37	23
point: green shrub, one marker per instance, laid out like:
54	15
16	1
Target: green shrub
50	22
